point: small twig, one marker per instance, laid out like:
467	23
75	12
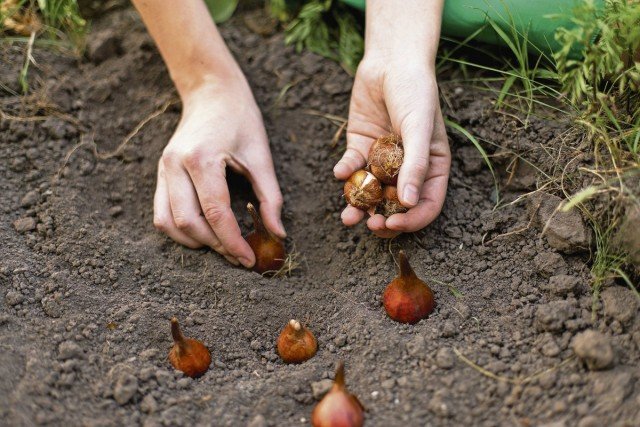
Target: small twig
515	381
331	117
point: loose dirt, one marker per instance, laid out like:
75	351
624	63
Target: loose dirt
88	286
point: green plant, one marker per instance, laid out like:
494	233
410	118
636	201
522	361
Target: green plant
57	22
325	27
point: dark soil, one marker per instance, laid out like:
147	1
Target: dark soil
89	286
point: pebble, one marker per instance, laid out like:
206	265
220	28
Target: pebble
439	406
115	211
594	349
448	330
29	199
551	317
103	45
416	346
25	224
258	421
149	404
445	358
565	231
13	298
149	353
320	388
550	263
125	388
562	284
69	350
163	376
620	304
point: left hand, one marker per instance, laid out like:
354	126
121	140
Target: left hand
402	97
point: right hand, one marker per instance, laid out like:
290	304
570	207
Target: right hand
220	126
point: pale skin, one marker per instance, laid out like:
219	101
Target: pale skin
221	125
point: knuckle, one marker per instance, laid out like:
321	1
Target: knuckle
192	159
170	156
214	214
160	223
184	223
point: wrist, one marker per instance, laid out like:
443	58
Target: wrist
218	75
403	31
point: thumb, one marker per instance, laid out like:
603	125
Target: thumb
416	132
351	161
265	185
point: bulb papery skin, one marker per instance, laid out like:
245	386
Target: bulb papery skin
363	190
408	299
385	158
296	343
390	202
188	355
268	248
338	408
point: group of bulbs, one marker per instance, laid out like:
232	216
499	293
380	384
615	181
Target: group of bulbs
375	186
407	299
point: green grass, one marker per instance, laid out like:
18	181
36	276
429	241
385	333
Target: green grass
49	23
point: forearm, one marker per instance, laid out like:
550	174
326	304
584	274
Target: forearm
403	27
189	42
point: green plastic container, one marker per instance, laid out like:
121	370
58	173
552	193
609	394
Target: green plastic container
221	10
462	18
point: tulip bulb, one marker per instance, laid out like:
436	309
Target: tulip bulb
363	190
390	202
296	343
268	248
407	299
385	158
338	408
188	355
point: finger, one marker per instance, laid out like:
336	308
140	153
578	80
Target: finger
416	132
434	189
355	158
351	216
162	217
186	209
426	211
208	176
351	161
377	224
265	184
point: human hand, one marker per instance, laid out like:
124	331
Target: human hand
400	96
220	126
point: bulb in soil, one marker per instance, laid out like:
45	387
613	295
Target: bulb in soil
390	203
338	408
188	355
268	248
385	158
296	343
407	299
363	190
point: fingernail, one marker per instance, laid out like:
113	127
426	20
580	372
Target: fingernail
410	194
339	169
232	260
281	225
245	262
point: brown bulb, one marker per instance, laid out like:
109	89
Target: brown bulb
296	343
407	299
268	248
338	408
188	355
385	158
363	190
390	202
